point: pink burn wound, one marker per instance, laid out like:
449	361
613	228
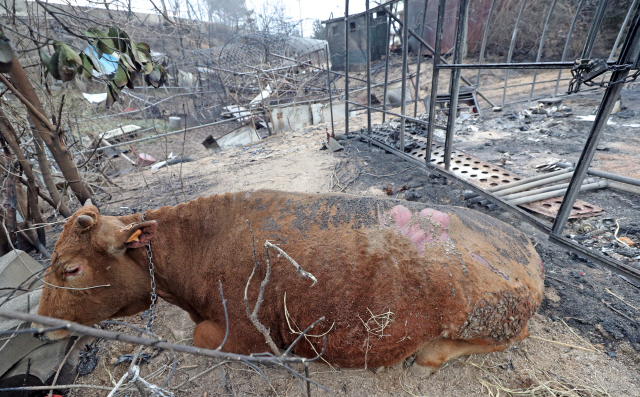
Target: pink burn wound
423	228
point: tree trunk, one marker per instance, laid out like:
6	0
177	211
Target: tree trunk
9	134
45	170
51	138
10	222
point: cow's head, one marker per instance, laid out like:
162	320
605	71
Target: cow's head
93	275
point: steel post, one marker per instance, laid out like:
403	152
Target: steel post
539	55
403	90
630	51
510	55
417	94
346	66
434	80
326	53
566	43
454	83
368	28
483	45
620	32
593	30
386	67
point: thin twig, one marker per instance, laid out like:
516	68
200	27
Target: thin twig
299	268
564	344
625	302
253	315
619	312
64	360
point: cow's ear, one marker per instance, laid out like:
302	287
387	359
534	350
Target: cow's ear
138	235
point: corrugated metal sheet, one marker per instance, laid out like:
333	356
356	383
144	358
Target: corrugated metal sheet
357	40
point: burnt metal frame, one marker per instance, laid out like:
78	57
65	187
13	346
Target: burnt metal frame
630	53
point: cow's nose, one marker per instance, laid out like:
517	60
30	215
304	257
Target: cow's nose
40	335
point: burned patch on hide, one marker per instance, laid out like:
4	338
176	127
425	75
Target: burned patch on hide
501	316
333	212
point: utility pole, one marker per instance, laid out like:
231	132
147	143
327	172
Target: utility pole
300	11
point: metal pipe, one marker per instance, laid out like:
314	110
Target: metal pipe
606	175
528	180
386	68
528	193
566	43
417	94
557	193
469	195
520	65
403	87
593	30
528	186
624	25
424	43
511	46
523	84
346	66
539	55
368	28
483	46
476	199
419	121
409	75
454	81
629	54
315	67
326	53
624	187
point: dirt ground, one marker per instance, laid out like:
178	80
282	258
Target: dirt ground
576	343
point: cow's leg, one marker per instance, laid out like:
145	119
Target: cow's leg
209	334
437	351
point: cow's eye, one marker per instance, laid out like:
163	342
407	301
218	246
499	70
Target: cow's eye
70	272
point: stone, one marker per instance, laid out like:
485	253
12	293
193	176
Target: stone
412	195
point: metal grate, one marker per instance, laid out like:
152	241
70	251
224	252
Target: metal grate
486	175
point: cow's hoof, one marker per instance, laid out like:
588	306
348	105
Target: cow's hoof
421	371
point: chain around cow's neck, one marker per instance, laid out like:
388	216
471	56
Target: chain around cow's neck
152	309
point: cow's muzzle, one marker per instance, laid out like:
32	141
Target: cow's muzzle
49	336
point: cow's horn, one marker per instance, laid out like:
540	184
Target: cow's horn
84	221
87	203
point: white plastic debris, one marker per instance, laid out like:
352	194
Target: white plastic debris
95	98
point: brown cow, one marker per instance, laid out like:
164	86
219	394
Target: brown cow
394	278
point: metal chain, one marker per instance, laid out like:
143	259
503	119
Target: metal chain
152	308
578	78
